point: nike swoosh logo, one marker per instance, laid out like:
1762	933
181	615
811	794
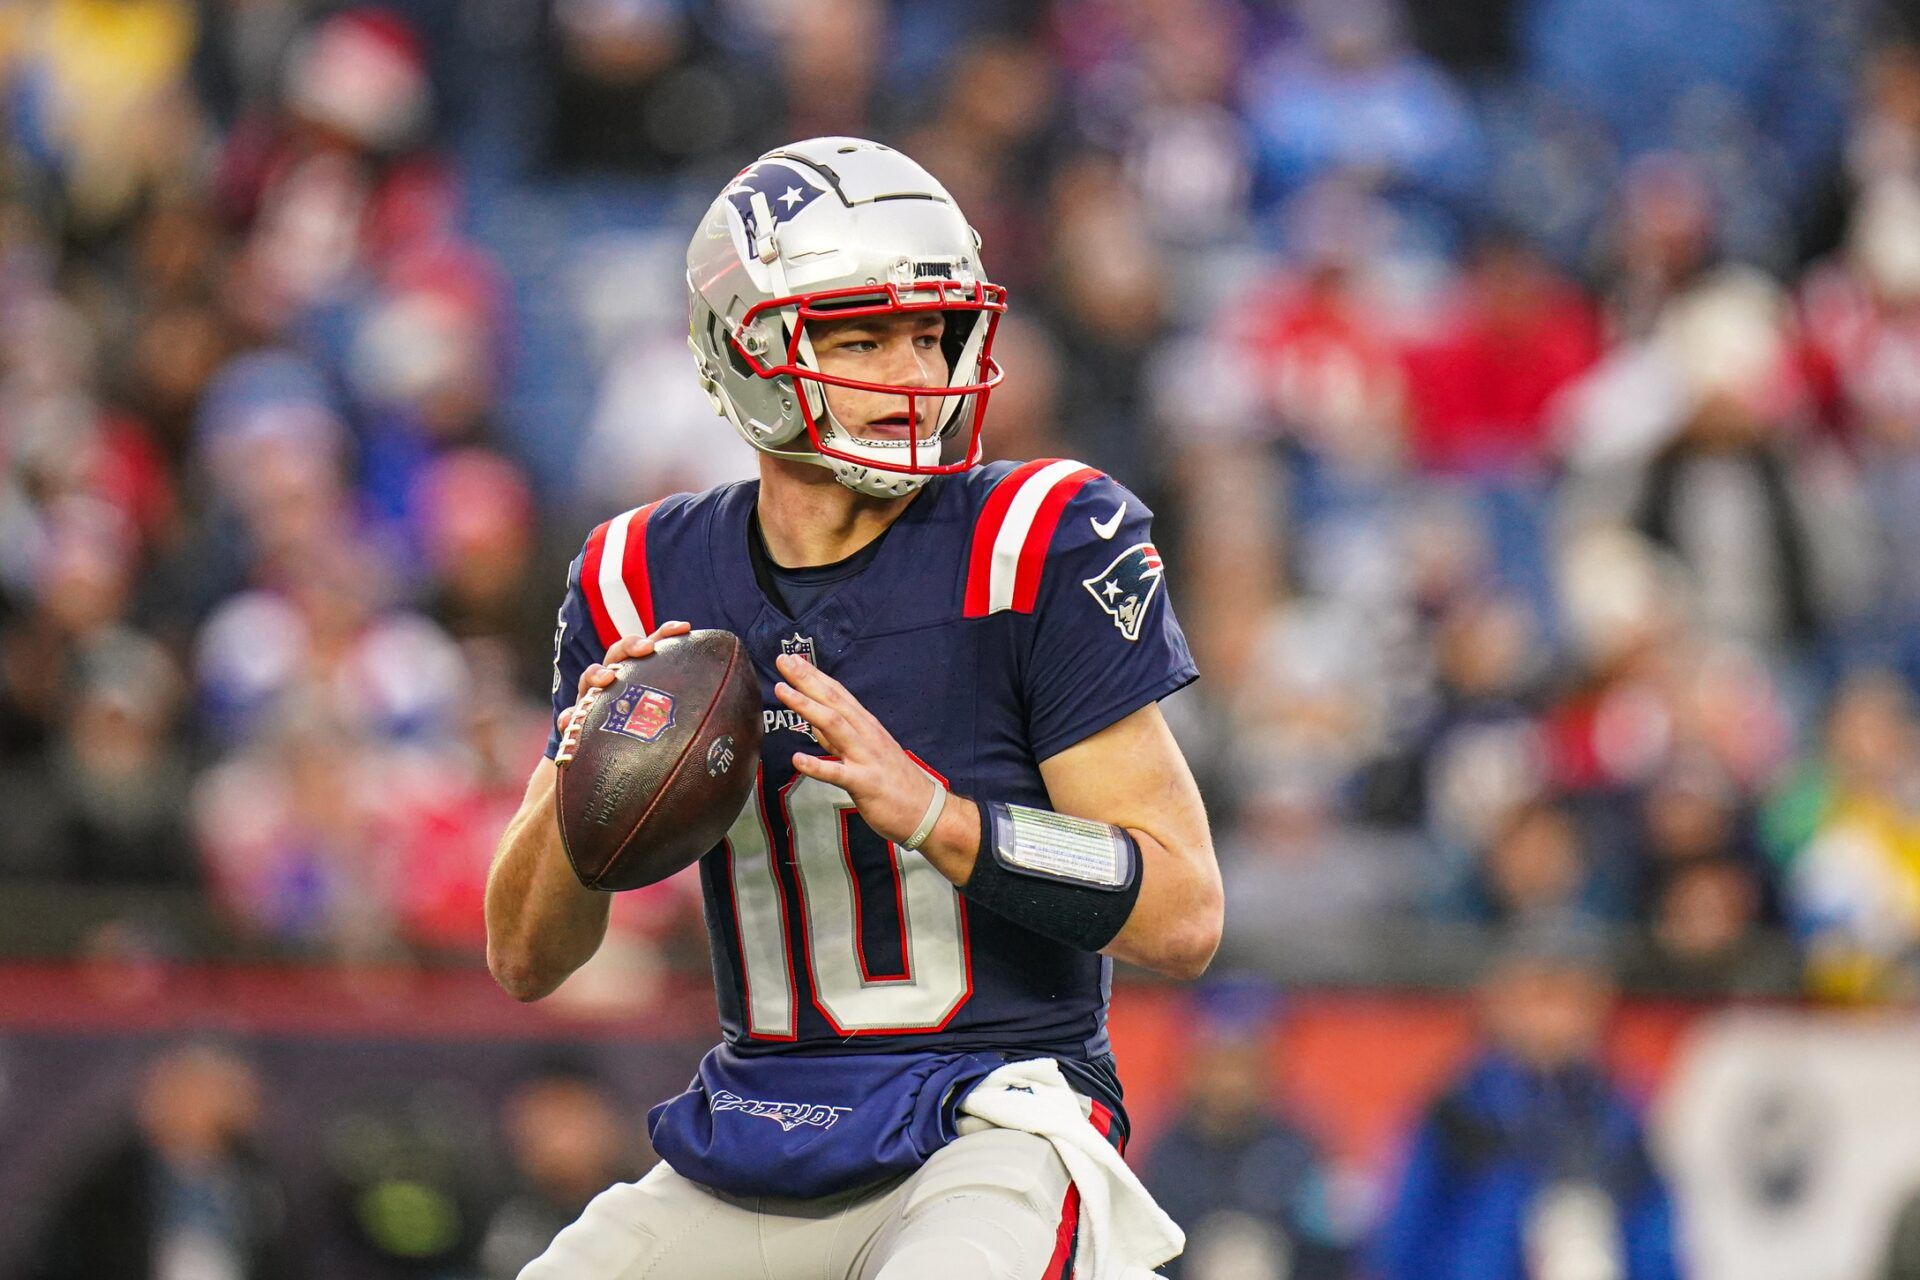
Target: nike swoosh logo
1111	525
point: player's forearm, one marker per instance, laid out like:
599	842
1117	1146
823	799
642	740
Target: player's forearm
1132	774
541	923
1177	920
1175	924
955	841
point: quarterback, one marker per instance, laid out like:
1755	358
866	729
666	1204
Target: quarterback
968	803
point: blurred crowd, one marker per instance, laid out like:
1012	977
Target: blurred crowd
1529	1163
1528	390
191	1182
1527	1160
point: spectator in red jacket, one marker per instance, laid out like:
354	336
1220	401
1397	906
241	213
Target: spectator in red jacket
1513	336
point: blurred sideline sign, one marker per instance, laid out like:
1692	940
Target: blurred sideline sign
1792	1139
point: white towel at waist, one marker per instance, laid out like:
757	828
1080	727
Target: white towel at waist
1124	1235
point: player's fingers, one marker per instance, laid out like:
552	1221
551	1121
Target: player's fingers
640	646
819	767
843	711
817	713
645	645
826	682
815	681
829	729
595	676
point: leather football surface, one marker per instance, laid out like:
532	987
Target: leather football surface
664	763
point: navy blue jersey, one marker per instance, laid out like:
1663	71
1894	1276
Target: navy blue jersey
1010	612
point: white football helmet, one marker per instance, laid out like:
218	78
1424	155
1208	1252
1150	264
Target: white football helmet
830	229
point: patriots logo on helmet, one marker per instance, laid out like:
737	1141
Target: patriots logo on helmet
787	190
1125	588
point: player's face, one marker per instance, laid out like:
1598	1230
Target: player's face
900	350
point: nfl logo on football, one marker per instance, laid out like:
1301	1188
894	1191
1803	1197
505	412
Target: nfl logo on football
640	711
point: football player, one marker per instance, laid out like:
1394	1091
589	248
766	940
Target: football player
968	803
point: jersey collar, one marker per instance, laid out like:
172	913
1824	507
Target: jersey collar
880	599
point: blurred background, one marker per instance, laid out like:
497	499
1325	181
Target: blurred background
1529	392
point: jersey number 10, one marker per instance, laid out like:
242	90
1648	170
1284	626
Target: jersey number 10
937	978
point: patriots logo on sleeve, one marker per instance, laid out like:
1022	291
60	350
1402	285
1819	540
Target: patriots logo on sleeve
787	190
1125	588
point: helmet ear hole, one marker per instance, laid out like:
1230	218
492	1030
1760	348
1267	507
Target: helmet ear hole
724	343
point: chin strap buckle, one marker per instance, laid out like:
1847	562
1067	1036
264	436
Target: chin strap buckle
764	233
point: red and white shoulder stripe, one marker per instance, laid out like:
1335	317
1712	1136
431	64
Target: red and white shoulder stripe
1014	529
613	576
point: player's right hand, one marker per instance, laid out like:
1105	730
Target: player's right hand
600	674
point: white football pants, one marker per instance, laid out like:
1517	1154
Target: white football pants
991	1205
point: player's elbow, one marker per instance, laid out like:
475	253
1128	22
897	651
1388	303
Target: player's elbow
1188	945
1190	952
521	974
1182	956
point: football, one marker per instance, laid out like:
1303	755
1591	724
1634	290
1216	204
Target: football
664	762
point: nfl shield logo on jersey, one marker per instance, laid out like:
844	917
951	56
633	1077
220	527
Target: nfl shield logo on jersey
1126	587
801	645
640	711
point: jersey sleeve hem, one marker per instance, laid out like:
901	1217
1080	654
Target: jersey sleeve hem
1079	730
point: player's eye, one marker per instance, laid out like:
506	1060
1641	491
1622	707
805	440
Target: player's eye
927	341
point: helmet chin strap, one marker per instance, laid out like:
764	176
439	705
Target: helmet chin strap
872	482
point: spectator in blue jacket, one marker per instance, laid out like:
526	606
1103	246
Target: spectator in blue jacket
1533	1166
1245	1183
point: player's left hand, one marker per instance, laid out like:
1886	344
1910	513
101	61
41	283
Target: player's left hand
891	790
